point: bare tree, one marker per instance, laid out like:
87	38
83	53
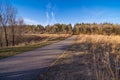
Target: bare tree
12	22
4	20
7	18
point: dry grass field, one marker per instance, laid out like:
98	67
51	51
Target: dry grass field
91	57
29	39
29	42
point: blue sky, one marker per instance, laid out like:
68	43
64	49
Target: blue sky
68	11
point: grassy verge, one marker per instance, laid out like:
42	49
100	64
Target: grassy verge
92	57
11	51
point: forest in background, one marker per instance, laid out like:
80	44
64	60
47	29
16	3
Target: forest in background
21	29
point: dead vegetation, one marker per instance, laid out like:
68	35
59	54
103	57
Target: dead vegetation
92	57
30	39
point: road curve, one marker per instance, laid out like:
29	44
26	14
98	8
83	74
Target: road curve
28	65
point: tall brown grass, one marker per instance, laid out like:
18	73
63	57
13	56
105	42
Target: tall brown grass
106	55
28	39
112	39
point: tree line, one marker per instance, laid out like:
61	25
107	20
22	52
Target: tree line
79	28
48	29
104	28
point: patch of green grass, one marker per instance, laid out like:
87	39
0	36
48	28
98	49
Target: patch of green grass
10	51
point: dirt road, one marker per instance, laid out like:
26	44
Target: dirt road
28	65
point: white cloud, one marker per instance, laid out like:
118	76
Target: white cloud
31	21
47	16
50	15
53	18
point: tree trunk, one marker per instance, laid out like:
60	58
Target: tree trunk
13	36
0	42
5	32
